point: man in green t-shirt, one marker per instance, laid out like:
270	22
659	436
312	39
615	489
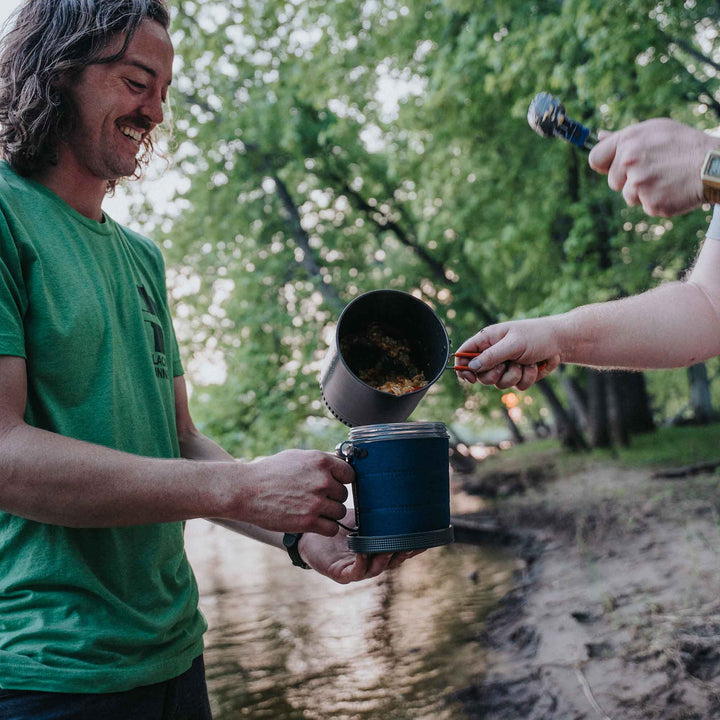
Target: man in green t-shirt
100	462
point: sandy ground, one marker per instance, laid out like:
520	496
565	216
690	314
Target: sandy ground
616	612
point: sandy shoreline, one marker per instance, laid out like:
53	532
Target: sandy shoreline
616	613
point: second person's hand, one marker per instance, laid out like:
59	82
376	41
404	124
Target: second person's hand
655	164
511	354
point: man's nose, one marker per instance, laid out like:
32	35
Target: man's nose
152	109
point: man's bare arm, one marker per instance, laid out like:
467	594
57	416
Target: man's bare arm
675	325
54	479
196	446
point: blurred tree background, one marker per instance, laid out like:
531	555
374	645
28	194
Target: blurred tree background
324	149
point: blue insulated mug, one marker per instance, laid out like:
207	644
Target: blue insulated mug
402	486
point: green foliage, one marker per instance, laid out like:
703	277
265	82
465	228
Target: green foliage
336	147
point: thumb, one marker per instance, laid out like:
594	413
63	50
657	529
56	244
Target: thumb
490	357
603	154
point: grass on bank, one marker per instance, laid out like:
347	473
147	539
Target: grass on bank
667	447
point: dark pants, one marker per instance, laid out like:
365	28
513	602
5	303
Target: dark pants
182	698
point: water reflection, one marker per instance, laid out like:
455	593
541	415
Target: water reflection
287	644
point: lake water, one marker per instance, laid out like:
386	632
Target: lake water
289	644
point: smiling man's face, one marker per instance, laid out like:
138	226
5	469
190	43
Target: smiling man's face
118	104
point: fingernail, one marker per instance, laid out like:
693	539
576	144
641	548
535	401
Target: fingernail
475	366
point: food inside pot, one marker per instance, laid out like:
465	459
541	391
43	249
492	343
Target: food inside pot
382	358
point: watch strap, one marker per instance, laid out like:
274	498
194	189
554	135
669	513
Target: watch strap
291	541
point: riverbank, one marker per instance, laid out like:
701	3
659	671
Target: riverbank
616	613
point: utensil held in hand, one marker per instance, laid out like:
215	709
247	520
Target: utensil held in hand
541	365
548	118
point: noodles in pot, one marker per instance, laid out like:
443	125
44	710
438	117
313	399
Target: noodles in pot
382	360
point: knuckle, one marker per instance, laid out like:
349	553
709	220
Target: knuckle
615	183
630	156
319	458
630	195
656	209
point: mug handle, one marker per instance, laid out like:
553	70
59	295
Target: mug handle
345	451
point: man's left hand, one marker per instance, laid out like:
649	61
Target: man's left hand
331	557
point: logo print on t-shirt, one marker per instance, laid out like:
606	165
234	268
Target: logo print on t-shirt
151	316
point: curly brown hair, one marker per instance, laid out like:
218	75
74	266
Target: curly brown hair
50	43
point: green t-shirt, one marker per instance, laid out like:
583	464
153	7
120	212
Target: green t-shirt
90	609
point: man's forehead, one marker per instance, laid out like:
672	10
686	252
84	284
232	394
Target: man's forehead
150	50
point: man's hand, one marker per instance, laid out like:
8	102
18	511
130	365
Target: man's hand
517	353
332	558
293	491
655	164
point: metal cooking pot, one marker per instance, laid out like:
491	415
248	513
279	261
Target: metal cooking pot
406	319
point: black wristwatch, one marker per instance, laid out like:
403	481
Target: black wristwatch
290	541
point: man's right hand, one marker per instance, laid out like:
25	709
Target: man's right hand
294	491
512	354
655	164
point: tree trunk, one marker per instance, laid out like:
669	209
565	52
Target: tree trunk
517	436
567	430
617	418
302	239
618	407
700	400
635	402
598	431
577	399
